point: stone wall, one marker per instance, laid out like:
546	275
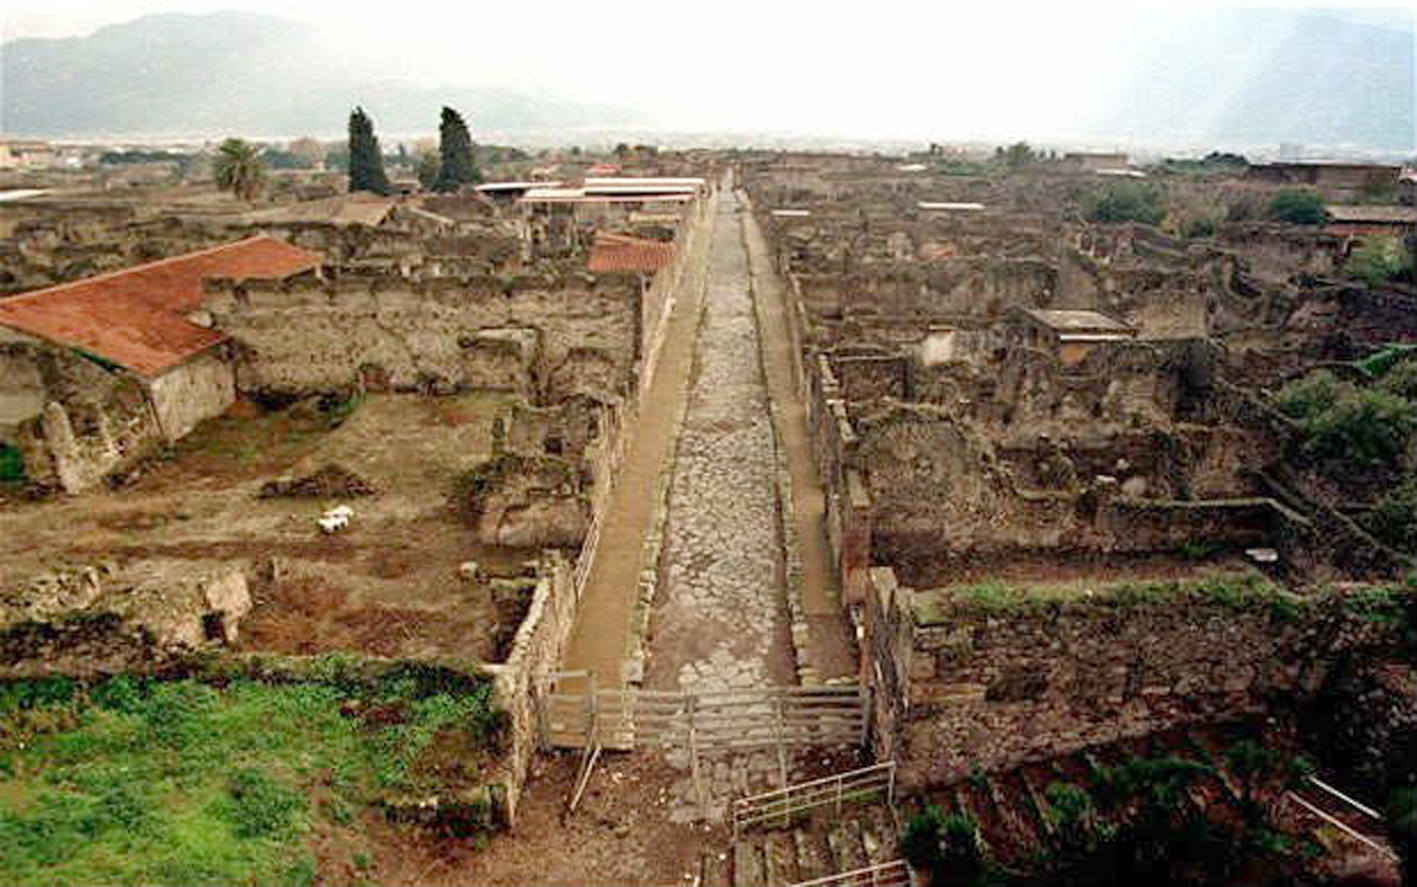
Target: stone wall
191	392
547	338
527	674
525	677
966	681
96	420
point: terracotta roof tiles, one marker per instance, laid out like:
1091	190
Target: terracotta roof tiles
618	252
134	317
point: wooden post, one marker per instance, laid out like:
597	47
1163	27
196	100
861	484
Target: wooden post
890	792
781	755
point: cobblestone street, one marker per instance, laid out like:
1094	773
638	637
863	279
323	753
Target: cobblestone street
719	620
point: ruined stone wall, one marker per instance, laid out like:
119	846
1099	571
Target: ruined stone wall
967	683
525	677
95	421
546	341
192	392
22	392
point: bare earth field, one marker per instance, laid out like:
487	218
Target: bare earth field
388	585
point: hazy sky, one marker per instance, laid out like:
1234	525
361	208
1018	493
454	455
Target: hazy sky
758	63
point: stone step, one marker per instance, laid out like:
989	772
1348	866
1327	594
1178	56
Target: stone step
844	838
713	869
748	868
812	855
882	823
779	858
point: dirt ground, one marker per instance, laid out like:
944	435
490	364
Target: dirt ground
619	835
388	585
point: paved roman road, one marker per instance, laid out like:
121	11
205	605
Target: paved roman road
720	615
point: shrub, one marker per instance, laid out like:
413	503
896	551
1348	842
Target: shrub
259	806
1401	379
1394	518
948	847
1127	202
1313	394
1298	206
12	464
1402	823
1199	228
1074	817
1378	260
1370	427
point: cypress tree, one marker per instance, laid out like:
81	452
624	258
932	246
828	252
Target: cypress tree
366	164
456	166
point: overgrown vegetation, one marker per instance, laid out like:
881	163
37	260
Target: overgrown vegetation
1379	260
1298	206
12	464
949	848
1369	426
1127	202
147	781
1133	823
1214	163
1239	591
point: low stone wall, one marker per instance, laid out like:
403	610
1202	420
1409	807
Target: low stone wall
993	677
525	677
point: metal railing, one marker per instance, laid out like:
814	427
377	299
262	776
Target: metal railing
887	874
784	805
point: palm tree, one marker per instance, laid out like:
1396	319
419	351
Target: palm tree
239	169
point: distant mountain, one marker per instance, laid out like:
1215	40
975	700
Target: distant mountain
233	72
1266	76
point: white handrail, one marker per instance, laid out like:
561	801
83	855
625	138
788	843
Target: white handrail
871	874
838	777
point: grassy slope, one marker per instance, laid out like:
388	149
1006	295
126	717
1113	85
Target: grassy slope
182	782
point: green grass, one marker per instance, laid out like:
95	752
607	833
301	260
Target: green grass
1237	590
136	781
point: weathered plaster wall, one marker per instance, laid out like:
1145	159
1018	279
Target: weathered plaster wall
192	392
579	333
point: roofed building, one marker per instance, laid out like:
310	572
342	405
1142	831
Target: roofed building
96	372
1072	335
1369	220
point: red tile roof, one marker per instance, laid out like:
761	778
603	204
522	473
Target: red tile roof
618	252
134	317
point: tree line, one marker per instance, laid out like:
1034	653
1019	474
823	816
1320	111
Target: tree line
240	166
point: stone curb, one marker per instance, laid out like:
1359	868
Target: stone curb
632	667
808	675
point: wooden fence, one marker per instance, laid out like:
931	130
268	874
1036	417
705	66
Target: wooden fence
768	717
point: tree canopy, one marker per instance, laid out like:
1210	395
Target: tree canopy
456	166
366	164
1299	206
238	168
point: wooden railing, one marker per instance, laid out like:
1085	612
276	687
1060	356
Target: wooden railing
786	805
729	720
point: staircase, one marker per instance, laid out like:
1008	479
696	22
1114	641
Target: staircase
822	847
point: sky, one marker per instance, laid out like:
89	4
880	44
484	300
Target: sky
756	63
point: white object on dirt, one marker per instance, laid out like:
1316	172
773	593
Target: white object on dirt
1262	555
333	523
340	511
468	569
